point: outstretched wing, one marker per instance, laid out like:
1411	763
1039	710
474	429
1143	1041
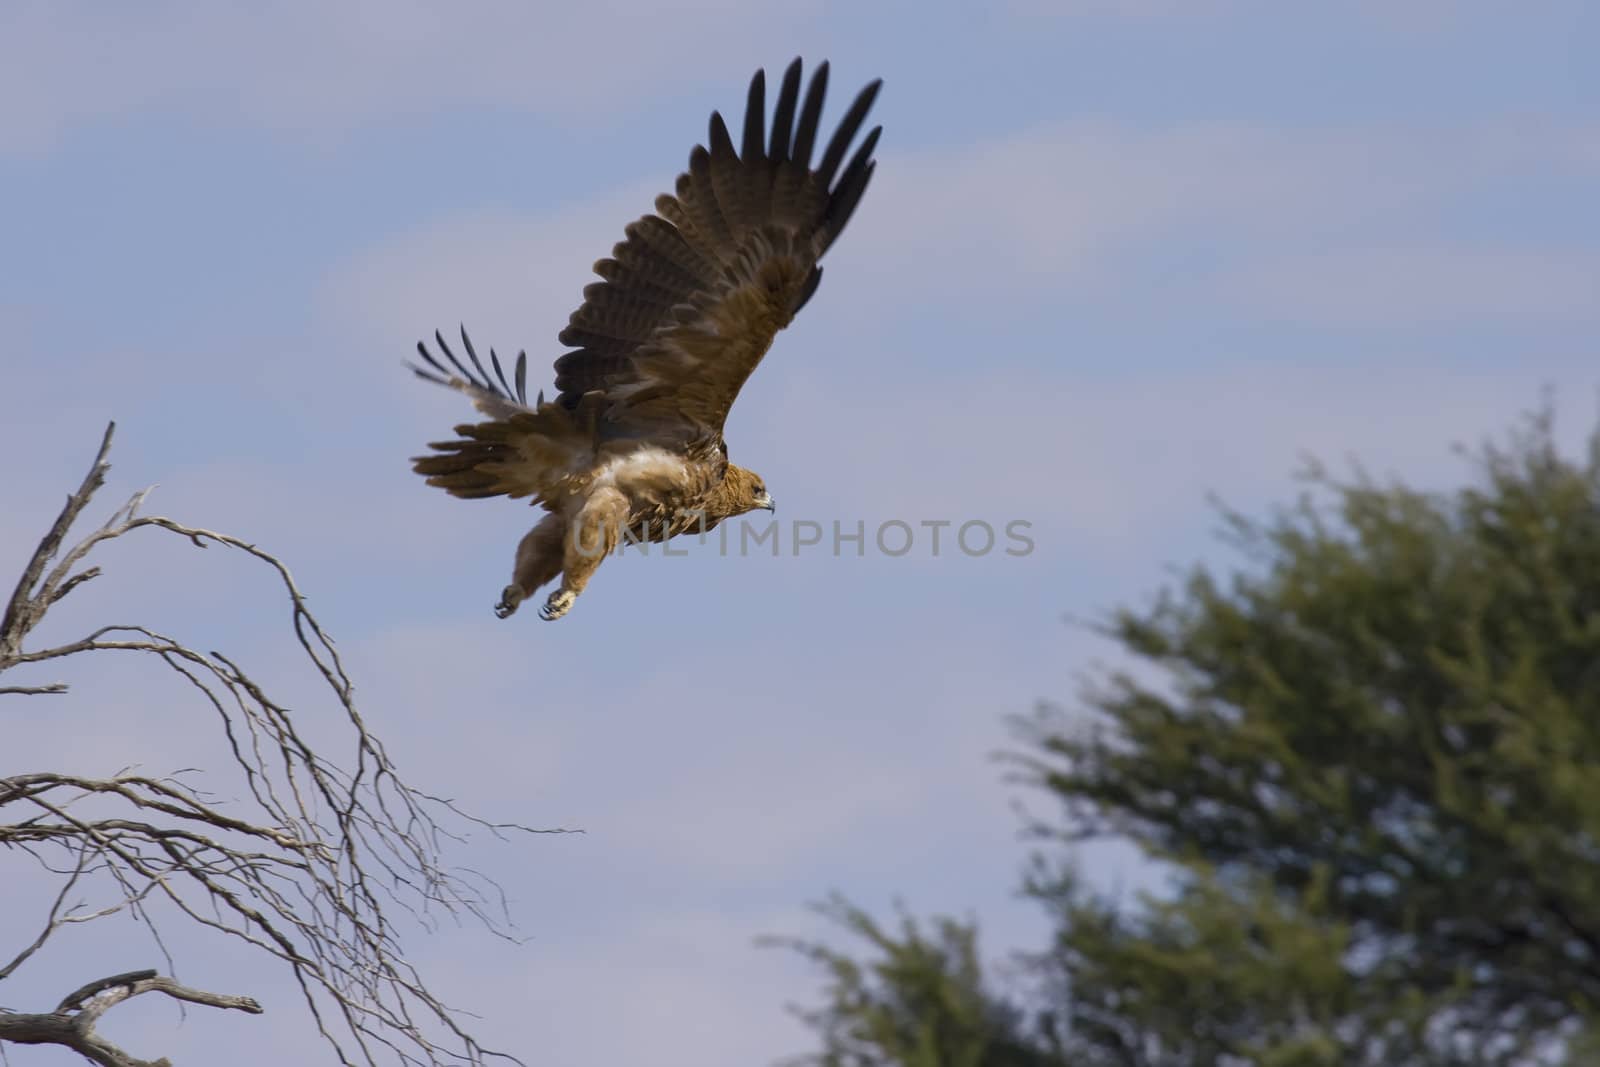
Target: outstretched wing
692	298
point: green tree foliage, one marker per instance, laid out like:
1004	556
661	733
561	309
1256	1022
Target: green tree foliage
1371	757
921	1002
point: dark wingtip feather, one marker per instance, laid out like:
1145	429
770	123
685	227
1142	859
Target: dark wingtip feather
847	131
843	205
499	372
859	161
426	375
755	117
721	143
783	117
451	356
852	185
442	375
805	134
483	375
422	350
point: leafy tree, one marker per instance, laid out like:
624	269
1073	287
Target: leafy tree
923	1002
1371	756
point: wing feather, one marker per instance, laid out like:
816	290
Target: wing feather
805	134
783	115
691	299
697	195
851	186
755	117
653	245
846	132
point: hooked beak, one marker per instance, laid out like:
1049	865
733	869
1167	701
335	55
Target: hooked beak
765	501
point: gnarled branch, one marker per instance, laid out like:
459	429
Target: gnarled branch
71	1025
313	866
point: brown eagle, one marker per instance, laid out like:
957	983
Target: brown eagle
688	304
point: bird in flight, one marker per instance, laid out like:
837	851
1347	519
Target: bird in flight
687	305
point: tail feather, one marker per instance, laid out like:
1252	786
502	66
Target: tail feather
532	453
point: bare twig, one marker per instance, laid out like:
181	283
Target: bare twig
60	916
307	869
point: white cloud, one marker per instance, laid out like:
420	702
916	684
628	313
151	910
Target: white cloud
1408	16
1089	214
1129	9
659	982
312	70
1094	210
1409	286
512	279
1104	461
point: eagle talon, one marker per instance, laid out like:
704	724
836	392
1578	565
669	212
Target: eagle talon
558	605
510	598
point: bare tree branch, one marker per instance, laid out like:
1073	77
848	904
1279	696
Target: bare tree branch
23	611
72	1023
310	868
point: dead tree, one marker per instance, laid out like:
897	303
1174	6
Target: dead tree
313	866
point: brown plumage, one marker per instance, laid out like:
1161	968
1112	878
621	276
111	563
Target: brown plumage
687	305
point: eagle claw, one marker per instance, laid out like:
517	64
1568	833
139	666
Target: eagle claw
509	599
558	605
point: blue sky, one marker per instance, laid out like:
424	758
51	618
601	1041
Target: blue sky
1118	254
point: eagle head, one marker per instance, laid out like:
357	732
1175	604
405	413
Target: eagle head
746	491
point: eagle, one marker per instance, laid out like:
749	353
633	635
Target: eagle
631	447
